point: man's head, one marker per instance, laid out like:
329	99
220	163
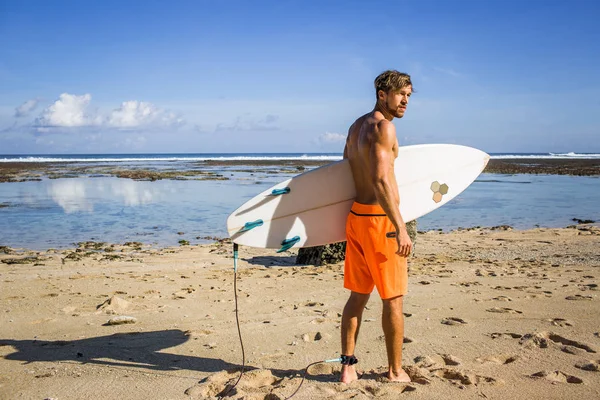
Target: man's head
393	89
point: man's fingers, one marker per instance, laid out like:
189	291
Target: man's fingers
404	250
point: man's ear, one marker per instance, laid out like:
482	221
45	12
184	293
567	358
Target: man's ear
380	94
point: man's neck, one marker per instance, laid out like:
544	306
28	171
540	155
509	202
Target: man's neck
387	115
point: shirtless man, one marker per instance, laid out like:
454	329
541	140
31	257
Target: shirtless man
377	241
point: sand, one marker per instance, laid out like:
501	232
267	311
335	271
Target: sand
491	313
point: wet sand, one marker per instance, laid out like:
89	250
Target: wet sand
491	313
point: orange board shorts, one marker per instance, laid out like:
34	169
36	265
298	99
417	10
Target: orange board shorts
371	259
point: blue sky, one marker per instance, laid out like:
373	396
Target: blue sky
291	76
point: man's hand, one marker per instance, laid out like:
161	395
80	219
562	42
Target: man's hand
404	243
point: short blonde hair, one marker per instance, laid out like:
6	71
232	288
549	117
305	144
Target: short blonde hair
392	80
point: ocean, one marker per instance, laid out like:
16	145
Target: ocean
57	213
191	157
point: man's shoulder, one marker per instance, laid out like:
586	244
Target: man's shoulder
385	127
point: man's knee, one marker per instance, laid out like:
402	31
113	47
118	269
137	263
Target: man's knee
393	303
358	300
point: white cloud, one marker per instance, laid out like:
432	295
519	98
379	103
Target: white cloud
133	114
329	138
71	111
68	111
24	109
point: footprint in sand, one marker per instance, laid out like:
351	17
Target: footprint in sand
453	321
579	297
499	359
417	374
466	284
198	333
502	298
380	389
589	286
589	365
313	304
255	382
449	359
496	335
463	379
504	310
556	376
560	322
543	339
436	361
405	340
427	362
572	350
314	336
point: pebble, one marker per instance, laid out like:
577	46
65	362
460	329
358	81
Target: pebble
122	319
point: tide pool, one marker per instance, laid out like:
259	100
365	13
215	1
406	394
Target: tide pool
56	213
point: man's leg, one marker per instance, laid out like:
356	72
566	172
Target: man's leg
393	328
351	319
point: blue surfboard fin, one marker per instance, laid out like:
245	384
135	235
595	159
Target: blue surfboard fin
278	192
288	243
251	225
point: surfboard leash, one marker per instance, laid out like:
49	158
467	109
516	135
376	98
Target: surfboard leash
237	320
345	360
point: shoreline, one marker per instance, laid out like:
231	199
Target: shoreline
205	170
512	314
80	249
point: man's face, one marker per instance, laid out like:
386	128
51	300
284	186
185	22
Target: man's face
397	101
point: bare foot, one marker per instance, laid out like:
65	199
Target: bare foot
348	374
401	376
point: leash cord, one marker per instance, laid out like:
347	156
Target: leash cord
237	320
226	391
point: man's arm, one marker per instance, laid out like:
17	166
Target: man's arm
347	140
384	181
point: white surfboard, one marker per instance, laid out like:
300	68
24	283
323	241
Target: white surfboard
311	209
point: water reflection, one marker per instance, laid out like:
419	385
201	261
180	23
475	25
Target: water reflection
71	196
58	213
79	194
132	193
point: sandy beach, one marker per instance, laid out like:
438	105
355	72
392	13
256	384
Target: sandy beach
491	313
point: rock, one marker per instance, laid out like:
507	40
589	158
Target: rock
319	255
113	305
588	366
583	221
120	320
411	227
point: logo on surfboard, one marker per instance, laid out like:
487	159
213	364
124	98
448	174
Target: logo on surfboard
439	190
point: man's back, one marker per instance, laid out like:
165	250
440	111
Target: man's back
365	136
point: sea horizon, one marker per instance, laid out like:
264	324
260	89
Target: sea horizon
248	156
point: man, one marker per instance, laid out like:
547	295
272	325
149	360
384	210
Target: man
377	241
